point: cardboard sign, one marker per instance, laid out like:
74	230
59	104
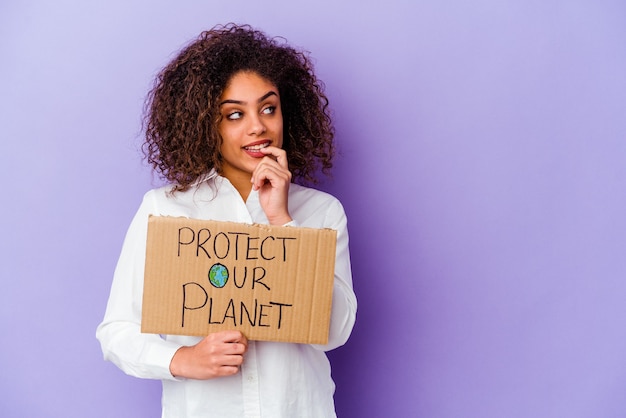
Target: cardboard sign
272	283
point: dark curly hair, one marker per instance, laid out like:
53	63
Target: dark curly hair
181	112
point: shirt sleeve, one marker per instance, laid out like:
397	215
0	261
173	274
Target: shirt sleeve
344	304
137	354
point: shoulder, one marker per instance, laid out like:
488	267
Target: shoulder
312	207
166	201
206	184
306	195
162	195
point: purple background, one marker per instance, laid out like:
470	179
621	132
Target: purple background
482	168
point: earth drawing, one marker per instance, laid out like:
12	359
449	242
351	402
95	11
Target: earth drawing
218	275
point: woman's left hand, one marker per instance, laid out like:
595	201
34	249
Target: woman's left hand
272	178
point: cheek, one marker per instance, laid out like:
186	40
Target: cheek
278	126
227	135
281	134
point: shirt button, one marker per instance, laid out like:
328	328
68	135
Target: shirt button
250	378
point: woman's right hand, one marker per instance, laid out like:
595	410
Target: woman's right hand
218	354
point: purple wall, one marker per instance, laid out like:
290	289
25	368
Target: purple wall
483	170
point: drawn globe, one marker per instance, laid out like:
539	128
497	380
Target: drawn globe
218	275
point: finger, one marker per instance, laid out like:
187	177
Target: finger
225	370
279	154
276	175
238	343
228	370
244	341
235	359
271	172
233	349
230	336
268	162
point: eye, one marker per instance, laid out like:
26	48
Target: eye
234	115
268	110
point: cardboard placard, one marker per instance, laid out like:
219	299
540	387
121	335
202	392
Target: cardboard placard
272	283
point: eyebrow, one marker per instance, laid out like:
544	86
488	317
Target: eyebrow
239	102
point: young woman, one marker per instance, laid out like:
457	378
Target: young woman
232	122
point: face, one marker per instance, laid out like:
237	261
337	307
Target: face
251	119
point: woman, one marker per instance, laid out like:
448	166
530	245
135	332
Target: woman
231	123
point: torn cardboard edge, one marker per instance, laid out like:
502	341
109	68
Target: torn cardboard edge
272	283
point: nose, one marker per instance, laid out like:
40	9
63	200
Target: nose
257	127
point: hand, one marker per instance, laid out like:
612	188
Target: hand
272	178
218	354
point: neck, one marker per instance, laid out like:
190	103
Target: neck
239	180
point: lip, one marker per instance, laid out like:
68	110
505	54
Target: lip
256	153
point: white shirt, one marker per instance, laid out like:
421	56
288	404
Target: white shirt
276	379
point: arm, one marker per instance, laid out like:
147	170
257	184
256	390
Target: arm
149	355
137	354
272	178
344	305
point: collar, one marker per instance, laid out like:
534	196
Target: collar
204	178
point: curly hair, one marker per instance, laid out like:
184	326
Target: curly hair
181	113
